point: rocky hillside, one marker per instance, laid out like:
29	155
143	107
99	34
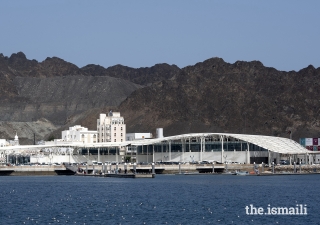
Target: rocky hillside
210	96
143	76
215	96
59	92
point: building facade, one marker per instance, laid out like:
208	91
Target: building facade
78	133
138	136
3	143
111	127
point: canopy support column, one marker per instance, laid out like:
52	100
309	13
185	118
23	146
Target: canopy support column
248	154
222	151
169	150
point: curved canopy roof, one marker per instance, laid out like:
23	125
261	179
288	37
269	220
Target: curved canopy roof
273	144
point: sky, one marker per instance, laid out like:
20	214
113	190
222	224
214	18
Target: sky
281	34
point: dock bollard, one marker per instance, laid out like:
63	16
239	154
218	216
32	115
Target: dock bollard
212	167
104	168
294	167
86	168
300	166
262	167
117	168
125	168
93	169
272	167
134	168
153	170
179	168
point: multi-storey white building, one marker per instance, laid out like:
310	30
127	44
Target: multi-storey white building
138	136
111	127
79	133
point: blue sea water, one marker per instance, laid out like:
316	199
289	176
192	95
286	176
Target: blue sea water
166	199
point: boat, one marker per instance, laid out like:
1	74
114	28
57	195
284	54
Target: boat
242	173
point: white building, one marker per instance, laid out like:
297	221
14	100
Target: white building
78	133
111	128
3	143
138	136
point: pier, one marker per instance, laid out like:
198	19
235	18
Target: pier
139	171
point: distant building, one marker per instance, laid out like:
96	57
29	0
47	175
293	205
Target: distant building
78	133
111	127
138	136
15	141
3	143
312	144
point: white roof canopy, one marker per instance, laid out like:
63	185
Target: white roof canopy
274	144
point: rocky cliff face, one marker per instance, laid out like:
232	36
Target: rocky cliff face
143	76
210	96
215	96
61	93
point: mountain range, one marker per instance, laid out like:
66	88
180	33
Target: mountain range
43	98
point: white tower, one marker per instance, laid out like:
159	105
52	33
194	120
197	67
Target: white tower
16	139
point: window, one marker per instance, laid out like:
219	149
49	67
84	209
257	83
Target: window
121	140
121	128
115	128
115	134
121	134
115	140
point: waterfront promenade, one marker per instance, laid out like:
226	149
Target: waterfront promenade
159	169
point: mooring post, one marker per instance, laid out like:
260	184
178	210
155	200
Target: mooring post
179	168
294	167
300	166
153	169
134	168
93	169
125	168
117	168
86	168
272	167
212	167
262	167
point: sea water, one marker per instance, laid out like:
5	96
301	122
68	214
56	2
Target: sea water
166	199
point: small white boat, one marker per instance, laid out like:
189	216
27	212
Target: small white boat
242	173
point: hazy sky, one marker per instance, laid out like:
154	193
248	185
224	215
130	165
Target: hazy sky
284	34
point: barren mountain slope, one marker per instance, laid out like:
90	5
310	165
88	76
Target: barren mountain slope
215	96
